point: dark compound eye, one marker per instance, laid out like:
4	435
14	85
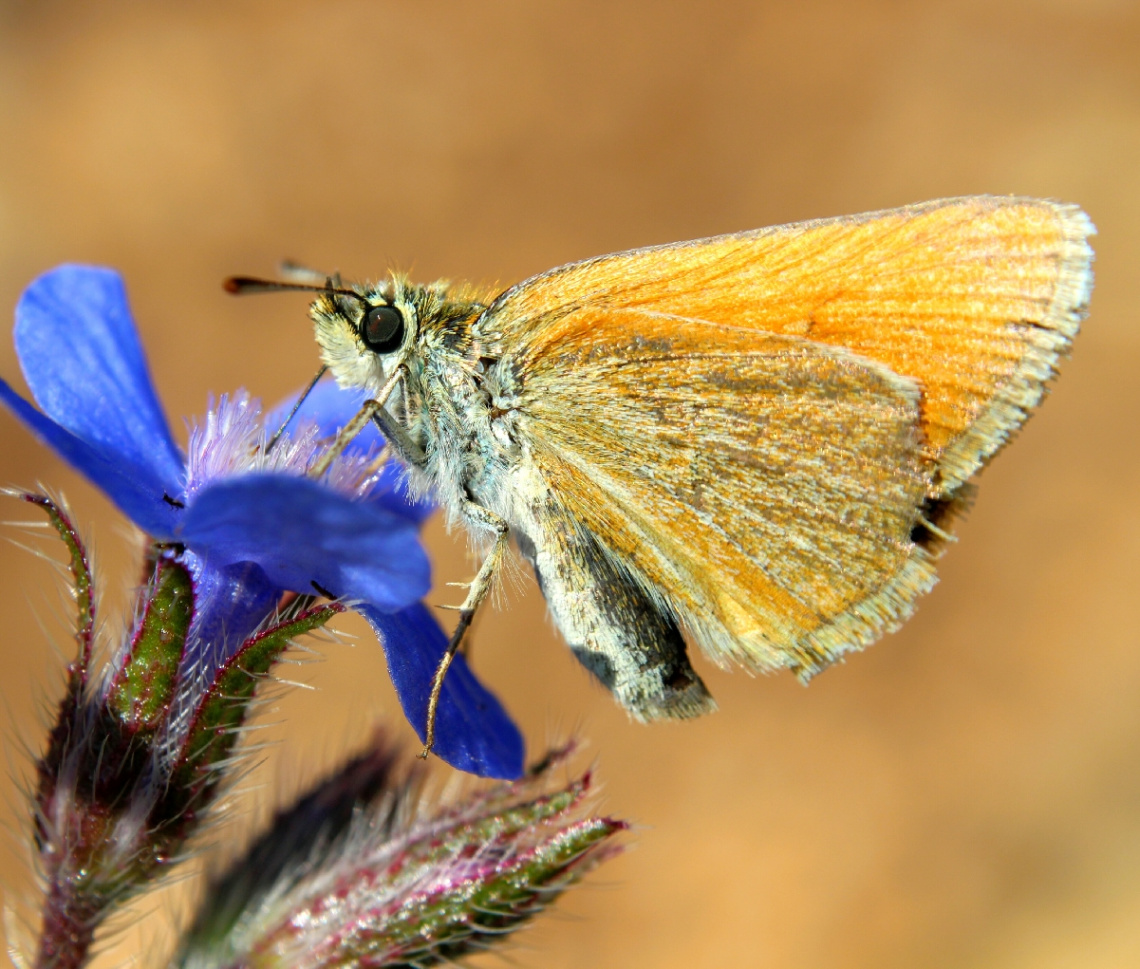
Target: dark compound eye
382	329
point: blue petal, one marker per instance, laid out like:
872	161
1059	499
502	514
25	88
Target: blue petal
304	535
229	605
330	407
472	730
82	360
135	489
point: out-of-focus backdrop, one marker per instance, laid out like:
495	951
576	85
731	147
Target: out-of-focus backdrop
964	794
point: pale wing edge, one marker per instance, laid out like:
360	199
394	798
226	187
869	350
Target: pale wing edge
1047	341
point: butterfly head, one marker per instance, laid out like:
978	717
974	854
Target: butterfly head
366	331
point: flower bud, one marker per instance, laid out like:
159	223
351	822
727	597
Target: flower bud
135	760
387	879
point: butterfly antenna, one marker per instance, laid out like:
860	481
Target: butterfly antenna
294	272
244	285
293	413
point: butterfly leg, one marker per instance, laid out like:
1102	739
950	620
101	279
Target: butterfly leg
372	411
483	518
272	443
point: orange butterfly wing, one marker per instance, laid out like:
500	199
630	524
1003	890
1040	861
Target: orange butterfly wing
766	488
752	424
974	298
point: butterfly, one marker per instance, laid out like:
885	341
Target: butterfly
757	442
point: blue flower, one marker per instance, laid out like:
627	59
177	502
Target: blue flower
249	525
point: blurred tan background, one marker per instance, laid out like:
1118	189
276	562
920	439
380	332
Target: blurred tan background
964	794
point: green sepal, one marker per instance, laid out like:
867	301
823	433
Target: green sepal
142	690
445	926
501	824
61	737
224	704
81	581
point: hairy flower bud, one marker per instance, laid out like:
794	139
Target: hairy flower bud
383	879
